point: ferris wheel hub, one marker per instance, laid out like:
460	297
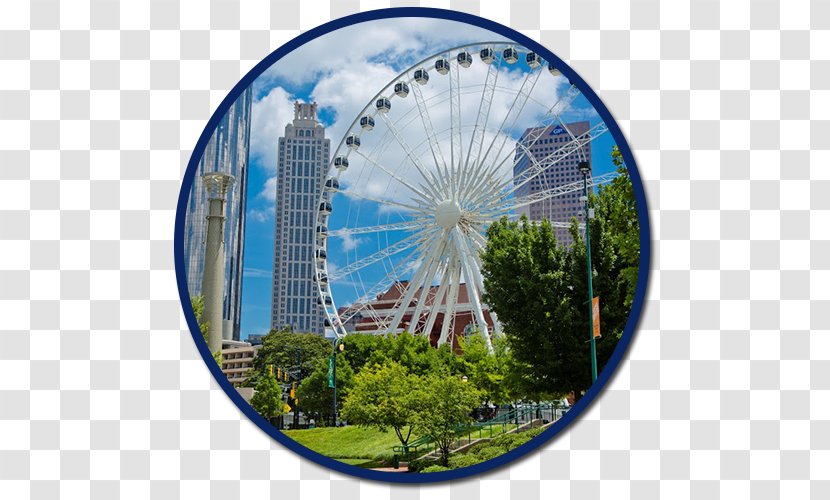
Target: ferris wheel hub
447	214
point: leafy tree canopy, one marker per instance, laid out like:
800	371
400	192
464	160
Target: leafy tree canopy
385	397
280	348
445	403
539	289
315	395
267	400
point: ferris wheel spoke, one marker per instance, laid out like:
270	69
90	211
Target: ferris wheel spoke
574	187
553	223
388	172
491	190
483	116
455	126
557	156
513	113
428	177
394	226
411	208
516	112
429	130
404	244
504	189
553	115
382	285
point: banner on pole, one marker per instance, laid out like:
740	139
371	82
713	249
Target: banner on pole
595	305
331	371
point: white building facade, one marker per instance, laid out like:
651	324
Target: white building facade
303	162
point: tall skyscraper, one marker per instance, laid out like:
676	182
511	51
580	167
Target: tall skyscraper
559	208
303	161
227	152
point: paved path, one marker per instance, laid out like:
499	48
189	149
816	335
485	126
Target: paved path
402	468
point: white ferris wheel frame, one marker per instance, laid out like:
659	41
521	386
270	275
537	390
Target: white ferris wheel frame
447	252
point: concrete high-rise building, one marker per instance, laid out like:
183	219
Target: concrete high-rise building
303	161
559	208
226	152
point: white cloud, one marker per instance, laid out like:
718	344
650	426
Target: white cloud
269	189
251	272
269	116
400	41
260	215
349	242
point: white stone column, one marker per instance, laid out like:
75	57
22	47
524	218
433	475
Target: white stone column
213	278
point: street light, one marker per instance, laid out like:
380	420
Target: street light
585	168
338	346
464	379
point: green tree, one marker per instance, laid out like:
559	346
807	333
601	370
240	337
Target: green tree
415	353
616	209
384	397
487	371
198	305
445	403
267	400
361	348
539	290
315	395
529	281
280	348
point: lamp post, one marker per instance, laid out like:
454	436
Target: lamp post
217	185
338	346
585	168
299	378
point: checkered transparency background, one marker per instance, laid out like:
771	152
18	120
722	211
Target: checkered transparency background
725	390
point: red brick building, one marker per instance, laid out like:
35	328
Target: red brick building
384	307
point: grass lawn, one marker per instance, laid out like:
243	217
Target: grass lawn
347	442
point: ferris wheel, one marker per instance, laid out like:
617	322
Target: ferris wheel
447	147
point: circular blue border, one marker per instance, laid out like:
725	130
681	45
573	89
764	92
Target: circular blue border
642	275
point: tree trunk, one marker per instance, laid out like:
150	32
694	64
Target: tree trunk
445	456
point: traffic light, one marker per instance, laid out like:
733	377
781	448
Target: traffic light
292	390
279	374
271	370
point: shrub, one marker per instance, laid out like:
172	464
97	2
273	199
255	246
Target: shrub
488	452
509	441
435	468
478	446
419	465
463	460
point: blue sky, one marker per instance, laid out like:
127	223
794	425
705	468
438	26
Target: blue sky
342	71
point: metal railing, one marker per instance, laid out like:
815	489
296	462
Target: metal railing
502	423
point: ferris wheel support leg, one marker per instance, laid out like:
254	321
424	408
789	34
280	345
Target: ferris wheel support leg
436	302
414	284
455	281
425	289
472	282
